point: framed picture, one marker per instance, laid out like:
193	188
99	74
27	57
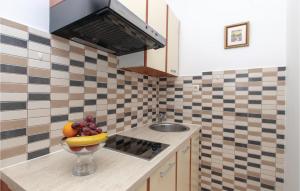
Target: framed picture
237	35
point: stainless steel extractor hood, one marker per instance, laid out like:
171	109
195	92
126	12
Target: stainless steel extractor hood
103	24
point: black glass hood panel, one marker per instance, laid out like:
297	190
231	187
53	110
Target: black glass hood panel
103	24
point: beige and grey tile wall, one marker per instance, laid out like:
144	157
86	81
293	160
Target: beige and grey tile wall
47	80
242	114
38	103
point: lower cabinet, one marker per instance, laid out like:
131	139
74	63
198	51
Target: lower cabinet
180	172
183	167
164	178
142	187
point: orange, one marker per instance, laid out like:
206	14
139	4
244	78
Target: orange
68	131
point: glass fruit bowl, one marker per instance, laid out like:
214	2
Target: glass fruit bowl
85	163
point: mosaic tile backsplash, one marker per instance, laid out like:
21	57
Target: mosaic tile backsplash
242	114
47	80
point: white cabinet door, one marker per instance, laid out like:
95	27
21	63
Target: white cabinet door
183	167
157	19
173	43
138	7
165	177
157	16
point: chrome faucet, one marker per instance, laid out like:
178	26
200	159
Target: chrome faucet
161	117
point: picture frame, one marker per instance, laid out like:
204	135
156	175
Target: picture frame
236	35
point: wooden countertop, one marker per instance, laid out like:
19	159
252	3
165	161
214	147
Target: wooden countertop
116	171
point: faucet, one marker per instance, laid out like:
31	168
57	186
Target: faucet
161	117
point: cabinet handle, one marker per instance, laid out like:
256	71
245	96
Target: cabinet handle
170	166
186	149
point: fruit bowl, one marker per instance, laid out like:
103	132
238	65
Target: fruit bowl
85	150
83	139
85	163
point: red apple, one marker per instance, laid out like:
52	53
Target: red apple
76	149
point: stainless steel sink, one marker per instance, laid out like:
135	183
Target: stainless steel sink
168	127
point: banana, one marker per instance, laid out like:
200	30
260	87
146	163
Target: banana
86	140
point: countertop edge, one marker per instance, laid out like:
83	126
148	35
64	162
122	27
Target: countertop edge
12	185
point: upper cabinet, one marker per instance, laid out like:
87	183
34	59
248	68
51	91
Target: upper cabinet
137	7
157	19
163	61
173	43
157	16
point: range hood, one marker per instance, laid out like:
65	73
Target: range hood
103	24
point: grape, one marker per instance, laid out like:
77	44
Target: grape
76	125
92	126
82	124
87	127
89	118
86	131
93	132
99	130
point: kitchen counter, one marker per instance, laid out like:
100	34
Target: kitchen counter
116	171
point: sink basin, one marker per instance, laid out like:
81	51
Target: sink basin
168	127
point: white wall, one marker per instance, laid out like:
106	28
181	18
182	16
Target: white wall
292	167
34	13
202	25
202	34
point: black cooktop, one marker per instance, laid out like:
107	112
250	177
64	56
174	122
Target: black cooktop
137	147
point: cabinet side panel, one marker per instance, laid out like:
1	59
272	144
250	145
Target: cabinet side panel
173	43
195	162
